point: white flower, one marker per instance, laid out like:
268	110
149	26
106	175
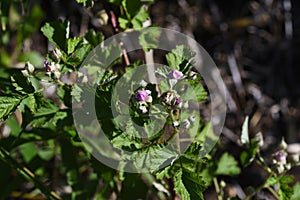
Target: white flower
148	92
185	124
176	124
143	83
143	109
149	99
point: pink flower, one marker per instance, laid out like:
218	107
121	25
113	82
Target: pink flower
175	74
142	95
177	101
280	157
48	66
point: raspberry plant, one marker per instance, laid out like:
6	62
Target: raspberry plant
44	146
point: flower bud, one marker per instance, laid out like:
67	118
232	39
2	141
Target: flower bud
49	66
280	157
295	158
283	144
143	83
25	73
186	105
193	75
171	98
141	95
259	139
280	169
55	75
84	79
223	184
56	54
29	67
175	74
288	166
175	123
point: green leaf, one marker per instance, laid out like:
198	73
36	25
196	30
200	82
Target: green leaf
8	105
131	7
272	181
34	57
180	58
149	38
28	151
64	94
285	192
57	32
227	165
74	179
76	58
22	83
94	38
47	108
179	186
194	184
30	102
189	185
207	177
190	90
138	20
123	22
296	195
60	115
248	156
153	158
133	181
35	83
286	179
245	132
76	93
46	153
73	43
86	3
165	173
14	126
118	2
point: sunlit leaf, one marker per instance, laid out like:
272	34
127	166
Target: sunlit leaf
8	105
227	165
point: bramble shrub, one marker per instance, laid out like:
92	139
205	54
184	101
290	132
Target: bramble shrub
43	156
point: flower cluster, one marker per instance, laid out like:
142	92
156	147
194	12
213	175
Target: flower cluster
52	69
280	158
171	98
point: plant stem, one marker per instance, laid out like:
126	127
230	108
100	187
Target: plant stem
273	192
5	157
217	187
